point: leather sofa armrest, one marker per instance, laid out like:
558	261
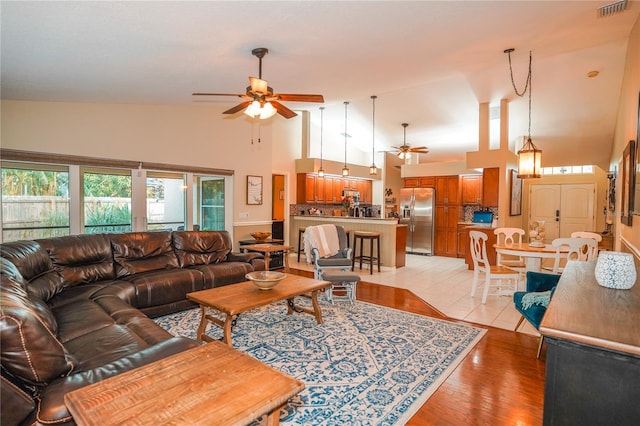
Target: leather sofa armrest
244	257
16	403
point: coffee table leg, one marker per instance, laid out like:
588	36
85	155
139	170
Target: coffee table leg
228	322
272	418
316	307
203	323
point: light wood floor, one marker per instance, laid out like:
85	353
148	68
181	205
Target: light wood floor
500	382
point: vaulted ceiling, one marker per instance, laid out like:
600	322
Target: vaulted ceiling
430	63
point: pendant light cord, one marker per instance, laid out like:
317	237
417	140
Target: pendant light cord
527	85
321	127
345	133
373	131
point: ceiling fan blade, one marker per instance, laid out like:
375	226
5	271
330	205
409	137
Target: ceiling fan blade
290	97
238	107
259	85
217	94
420	151
283	110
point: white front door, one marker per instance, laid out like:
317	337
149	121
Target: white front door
565	208
545	205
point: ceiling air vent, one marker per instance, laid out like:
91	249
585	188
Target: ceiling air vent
612	8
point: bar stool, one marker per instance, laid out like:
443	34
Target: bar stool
300	232
370	236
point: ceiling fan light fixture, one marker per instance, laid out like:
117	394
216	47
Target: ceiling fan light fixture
261	111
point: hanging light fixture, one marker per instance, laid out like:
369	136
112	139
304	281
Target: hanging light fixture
404	153
345	169
260	110
529	157
321	170
373	170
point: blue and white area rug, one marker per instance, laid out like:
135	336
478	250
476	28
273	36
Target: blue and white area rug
365	365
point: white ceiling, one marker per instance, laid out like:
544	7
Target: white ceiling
430	63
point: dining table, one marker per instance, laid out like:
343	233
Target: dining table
532	255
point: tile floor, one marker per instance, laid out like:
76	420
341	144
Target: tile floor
444	283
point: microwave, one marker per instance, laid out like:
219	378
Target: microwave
354	194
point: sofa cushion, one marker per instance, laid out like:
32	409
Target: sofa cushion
140	252
81	259
155	288
30	348
201	247
35	266
224	273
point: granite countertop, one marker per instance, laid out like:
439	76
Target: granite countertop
475	224
309	216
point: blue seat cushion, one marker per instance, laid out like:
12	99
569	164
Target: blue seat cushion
533	314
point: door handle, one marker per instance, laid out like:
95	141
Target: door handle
557	215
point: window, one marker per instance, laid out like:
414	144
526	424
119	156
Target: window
212	206
107	200
35	201
48	195
566	170
165	201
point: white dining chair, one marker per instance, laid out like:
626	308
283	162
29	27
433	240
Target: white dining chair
510	236
492	273
587	234
581	249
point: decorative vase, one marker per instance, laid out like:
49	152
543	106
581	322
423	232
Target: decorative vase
536	233
615	270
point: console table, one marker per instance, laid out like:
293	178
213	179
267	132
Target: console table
593	352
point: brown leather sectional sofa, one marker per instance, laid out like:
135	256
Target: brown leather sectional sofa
75	310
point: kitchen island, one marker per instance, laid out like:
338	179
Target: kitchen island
392	235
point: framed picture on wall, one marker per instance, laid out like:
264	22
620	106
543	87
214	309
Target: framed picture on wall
515	204
636	211
254	190
627	184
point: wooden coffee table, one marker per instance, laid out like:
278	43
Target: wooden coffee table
207	385
233	299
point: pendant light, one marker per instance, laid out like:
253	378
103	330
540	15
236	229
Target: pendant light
373	170
529	157
321	170
345	169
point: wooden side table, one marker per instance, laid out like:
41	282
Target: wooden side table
267	249
210	384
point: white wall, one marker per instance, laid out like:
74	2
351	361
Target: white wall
193	135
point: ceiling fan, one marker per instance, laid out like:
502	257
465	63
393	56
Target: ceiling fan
405	150
259	99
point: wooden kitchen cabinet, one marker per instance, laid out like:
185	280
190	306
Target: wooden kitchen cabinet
471	190
366	196
490	186
447	190
419	182
447	215
463	240
313	189
310	189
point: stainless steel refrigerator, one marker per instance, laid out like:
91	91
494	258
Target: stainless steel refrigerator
416	211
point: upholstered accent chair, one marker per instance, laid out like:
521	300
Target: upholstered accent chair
540	288
339	262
